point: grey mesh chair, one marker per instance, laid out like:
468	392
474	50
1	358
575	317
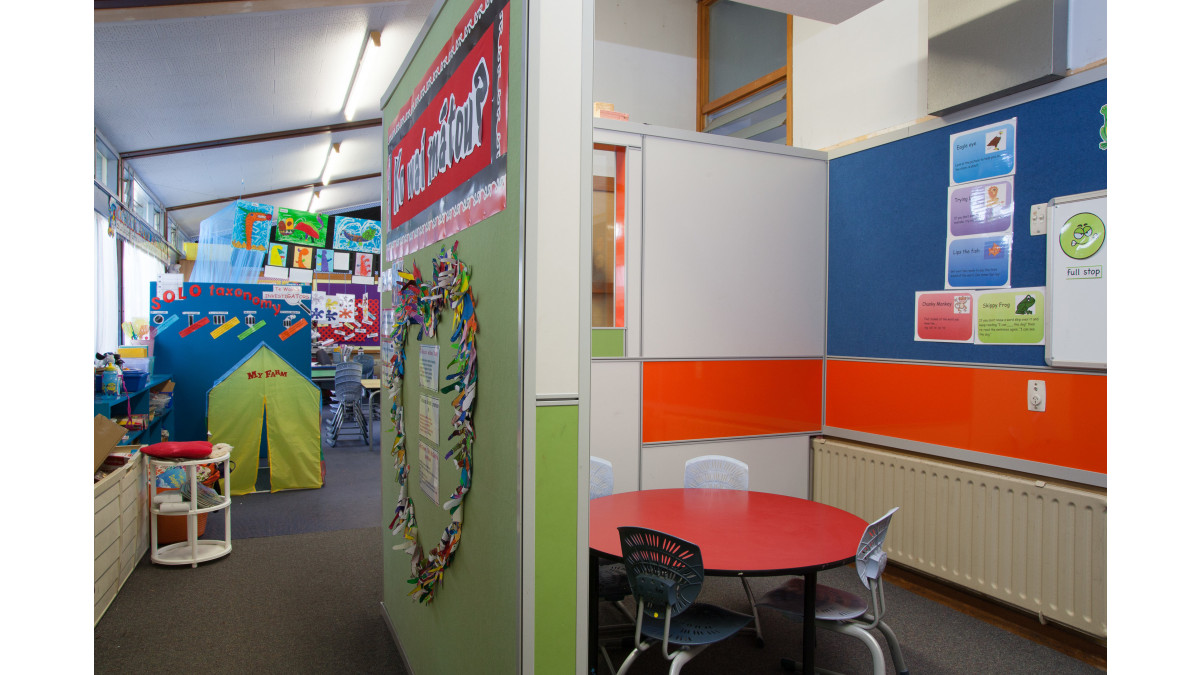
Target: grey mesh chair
601	484
347	390
716	471
845	612
666	574
724	473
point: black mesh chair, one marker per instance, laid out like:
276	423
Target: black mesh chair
665	576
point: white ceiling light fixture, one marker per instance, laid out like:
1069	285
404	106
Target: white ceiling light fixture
313	197
327	170
370	44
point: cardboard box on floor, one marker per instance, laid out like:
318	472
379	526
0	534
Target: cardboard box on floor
107	436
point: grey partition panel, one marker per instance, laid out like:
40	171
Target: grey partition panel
734	252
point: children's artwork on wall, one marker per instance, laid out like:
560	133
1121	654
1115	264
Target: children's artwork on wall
363	268
323	260
318	307
341	261
277	256
350	313
301	227
354	234
252	225
302	257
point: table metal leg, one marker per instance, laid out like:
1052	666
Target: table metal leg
593	609
809	666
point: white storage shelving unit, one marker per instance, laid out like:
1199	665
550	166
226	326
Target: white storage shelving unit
193	550
121	529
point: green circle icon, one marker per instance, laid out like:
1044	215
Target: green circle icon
1082	235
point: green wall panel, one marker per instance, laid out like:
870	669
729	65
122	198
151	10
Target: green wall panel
555	535
608	342
473	622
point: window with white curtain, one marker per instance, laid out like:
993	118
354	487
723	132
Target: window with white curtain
106	288
139	269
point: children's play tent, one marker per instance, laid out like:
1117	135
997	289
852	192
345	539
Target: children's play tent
263	385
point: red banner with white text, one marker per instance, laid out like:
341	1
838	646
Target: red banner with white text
447	148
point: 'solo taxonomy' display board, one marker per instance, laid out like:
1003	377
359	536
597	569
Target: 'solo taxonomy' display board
200	331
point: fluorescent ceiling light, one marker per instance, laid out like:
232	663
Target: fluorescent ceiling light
312	199
327	170
370	44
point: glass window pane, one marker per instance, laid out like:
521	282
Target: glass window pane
604	178
744	43
752	115
106	287
138	269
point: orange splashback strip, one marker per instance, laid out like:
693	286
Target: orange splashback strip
979	409
687	400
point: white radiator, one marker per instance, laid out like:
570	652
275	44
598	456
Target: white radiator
1036	545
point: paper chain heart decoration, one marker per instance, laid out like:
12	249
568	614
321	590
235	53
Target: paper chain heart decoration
421	304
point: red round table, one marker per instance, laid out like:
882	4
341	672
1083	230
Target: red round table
740	533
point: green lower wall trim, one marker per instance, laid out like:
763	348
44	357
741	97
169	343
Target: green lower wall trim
555	534
608	342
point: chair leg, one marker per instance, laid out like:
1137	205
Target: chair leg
607	660
754	610
638	649
894	648
683	656
877	663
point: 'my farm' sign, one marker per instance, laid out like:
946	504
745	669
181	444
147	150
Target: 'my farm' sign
448	146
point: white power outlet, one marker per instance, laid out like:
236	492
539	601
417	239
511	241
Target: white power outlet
1036	395
1037	220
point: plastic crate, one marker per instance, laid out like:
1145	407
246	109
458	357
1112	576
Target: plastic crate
135	380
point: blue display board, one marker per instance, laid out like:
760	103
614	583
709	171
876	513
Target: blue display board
201	331
888	224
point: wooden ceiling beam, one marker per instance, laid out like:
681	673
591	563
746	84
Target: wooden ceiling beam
254	138
314	185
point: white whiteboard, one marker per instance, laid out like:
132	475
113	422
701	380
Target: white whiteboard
734	252
1077	281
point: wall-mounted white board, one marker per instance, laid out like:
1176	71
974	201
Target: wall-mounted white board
1077	281
733	257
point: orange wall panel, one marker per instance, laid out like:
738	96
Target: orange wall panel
979	409
687	400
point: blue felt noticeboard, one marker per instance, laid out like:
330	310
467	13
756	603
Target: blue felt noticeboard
201	331
887	224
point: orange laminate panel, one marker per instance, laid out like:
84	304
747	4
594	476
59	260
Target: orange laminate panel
619	244
687	400
979	409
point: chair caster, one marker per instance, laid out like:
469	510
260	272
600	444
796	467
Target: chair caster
788	665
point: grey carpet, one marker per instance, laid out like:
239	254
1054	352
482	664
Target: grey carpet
304	603
935	639
300	593
348	500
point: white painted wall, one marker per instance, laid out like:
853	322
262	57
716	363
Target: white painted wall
1087	32
645	60
778	464
863	75
554	193
868	74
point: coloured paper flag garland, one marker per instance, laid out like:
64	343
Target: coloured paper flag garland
422	303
